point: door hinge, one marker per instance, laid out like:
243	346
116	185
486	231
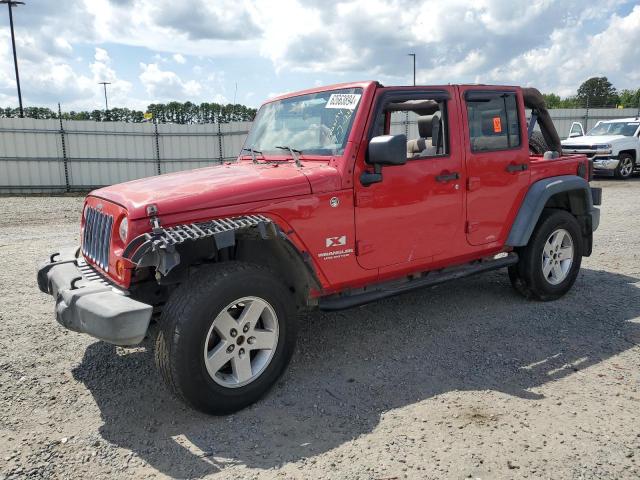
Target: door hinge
473	183
363	198
472	227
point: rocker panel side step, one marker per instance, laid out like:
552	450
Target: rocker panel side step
388	289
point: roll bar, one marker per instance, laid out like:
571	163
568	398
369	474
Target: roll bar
534	100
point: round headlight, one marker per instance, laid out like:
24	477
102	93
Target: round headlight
124	229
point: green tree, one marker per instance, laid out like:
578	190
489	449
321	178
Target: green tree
630	98
570	102
597	92
172	112
39	112
552	100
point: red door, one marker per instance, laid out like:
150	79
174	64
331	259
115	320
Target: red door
413	212
497	160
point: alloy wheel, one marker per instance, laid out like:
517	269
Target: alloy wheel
241	342
626	167
557	256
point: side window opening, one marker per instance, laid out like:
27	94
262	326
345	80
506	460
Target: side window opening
424	123
494	123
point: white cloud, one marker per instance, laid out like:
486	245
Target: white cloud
119	89
556	43
54	79
165	84
101	55
223	28
62	45
572	56
552	44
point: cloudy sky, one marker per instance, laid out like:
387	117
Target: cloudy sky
198	50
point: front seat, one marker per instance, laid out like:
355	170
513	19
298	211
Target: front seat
428	128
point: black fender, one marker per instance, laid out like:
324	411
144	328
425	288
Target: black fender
158	247
538	197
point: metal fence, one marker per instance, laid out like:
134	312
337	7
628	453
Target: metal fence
45	156
563	118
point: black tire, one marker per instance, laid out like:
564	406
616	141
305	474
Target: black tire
623	171
527	275
537	143
187	319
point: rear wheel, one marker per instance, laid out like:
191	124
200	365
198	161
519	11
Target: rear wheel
625	166
225	336
550	263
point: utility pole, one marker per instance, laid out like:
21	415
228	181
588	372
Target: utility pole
106	104
11	4
414	67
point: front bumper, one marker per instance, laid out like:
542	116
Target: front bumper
605	166
88	303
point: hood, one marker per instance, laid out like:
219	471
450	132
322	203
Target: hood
208	187
592	140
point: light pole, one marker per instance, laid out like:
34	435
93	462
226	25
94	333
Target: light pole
106	104
414	67
10	4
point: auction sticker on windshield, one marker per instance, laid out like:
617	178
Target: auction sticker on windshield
348	101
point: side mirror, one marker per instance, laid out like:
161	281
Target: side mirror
384	150
388	150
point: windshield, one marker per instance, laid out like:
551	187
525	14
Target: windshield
318	123
615	128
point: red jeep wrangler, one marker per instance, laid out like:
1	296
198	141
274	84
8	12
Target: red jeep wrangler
342	195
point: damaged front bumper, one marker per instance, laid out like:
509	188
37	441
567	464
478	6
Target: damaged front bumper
605	166
87	303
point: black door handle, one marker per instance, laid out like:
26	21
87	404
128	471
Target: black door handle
447	177
517	167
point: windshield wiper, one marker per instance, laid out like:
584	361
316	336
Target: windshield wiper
253	153
294	154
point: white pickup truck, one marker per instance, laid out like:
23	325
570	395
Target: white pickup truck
613	145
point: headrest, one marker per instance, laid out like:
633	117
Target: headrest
426	124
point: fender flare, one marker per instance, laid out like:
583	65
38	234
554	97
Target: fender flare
157	248
537	197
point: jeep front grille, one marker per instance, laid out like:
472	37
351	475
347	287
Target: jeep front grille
96	239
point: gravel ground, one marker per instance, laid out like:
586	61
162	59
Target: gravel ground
462	380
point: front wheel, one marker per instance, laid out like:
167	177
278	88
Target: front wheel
550	262
226	335
625	166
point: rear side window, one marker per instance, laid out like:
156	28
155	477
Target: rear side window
493	122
